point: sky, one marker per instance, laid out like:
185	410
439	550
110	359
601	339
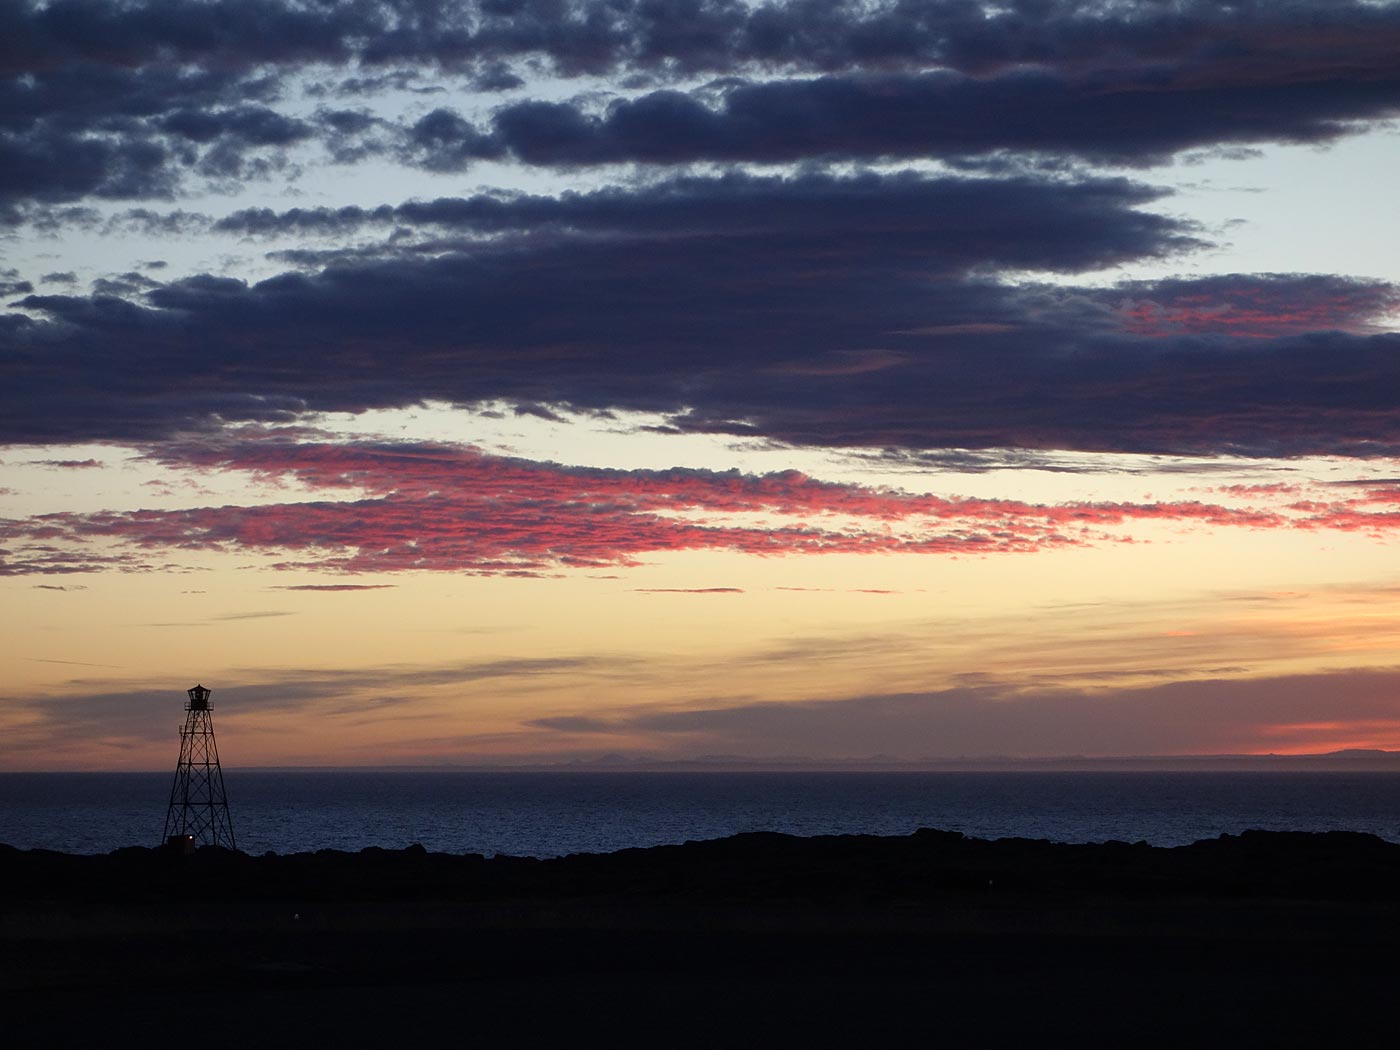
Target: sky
550	381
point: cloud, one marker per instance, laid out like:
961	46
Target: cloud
688	590
845	311
336	587
1204	716
816	339
69	132
551	521
44	559
1255	306
434	507
135	713
953	223
68	464
159	224
242	125
1139	117
12	284
88	130
871	311
432	470
705	36
136	100
572	724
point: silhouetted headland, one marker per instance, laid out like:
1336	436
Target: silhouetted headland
1241	938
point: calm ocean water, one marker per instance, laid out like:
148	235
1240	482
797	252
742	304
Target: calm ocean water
549	814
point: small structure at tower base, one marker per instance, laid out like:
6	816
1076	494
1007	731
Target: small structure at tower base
198	813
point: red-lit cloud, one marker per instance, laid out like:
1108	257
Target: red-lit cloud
450	508
1374	511
439	471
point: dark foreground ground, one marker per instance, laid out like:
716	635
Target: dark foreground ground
1257	940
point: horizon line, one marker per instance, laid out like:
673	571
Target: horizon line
1344	759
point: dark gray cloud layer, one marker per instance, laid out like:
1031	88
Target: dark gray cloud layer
1222	715
813	309
952	224
868	310
146	100
1136	118
688	36
76	133
604	299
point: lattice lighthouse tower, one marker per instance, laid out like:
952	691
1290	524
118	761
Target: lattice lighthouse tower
198	813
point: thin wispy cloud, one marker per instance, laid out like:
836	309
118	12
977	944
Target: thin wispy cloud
334	588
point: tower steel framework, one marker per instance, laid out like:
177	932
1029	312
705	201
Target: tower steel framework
198	813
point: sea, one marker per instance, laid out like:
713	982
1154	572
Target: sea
549	814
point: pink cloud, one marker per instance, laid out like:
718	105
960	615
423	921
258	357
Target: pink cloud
451	508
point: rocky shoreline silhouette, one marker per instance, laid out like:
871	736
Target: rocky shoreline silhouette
1287	938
